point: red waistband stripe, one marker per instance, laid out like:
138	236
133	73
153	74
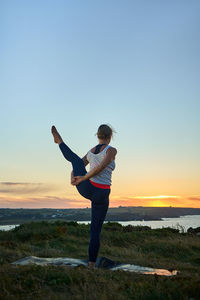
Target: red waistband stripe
99	185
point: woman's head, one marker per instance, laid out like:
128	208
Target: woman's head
104	132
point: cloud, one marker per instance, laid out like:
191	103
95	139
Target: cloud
153	197
15	183
42	202
21	188
194	198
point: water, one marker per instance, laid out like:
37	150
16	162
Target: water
184	221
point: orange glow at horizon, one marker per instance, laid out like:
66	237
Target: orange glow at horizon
156	201
192	201
75	201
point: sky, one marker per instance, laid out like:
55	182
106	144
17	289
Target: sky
78	64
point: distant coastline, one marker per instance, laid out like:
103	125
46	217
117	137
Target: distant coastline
10	216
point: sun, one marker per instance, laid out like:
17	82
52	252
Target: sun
158	203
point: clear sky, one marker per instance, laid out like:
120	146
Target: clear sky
78	64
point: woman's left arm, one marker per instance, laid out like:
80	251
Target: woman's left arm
86	162
110	156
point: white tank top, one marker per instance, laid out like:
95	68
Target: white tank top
104	177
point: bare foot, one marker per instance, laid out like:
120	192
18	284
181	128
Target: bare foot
91	265
56	135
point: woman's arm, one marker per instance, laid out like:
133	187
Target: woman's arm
86	162
72	178
110	156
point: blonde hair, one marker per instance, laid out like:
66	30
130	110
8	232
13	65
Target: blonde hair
105	132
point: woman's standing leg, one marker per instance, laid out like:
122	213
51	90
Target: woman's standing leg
100	204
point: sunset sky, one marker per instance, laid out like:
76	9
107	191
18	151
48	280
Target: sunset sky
77	64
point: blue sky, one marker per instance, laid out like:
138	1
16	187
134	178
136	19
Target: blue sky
78	64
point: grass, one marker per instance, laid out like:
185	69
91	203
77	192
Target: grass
159	248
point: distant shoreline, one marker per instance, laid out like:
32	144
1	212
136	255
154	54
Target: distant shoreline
17	216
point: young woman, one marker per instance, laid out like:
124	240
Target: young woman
95	184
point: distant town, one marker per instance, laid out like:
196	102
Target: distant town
10	216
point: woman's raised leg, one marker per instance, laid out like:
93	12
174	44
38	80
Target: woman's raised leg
77	164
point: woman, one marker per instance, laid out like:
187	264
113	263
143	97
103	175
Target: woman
95	184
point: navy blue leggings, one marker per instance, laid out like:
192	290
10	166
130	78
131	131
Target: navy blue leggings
99	200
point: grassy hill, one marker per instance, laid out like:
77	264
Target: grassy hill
158	248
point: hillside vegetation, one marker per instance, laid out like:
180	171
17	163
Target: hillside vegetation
158	248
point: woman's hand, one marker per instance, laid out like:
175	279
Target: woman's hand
78	179
72	178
